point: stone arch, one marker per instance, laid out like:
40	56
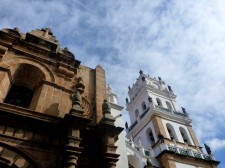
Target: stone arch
150	136
13	63
184	135
159	103
13	157
171	132
168	105
20	74
143	106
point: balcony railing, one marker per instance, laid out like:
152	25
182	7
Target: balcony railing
167	110
197	154
189	152
138	149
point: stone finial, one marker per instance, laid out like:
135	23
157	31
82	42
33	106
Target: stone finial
150	99
17	29
161	138
109	89
76	98
140	72
184	110
106	109
131	139
160	79
80	86
47	32
126	125
208	150
170	89
129	88
127	101
140	143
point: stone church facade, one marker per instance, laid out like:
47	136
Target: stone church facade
51	106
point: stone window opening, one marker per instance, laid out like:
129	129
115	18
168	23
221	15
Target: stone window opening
184	135
19	96
150	136
168	105
171	131
159	103
23	90
137	113
144	107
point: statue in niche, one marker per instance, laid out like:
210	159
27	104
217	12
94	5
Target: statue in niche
106	109
208	150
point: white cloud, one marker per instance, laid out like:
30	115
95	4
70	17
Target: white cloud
181	41
216	144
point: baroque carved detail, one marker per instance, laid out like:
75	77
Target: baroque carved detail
86	105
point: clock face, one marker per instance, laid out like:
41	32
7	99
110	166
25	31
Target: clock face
156	86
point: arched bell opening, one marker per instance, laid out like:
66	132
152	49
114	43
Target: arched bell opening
150	136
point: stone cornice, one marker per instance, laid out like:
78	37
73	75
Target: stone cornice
27	113
116	106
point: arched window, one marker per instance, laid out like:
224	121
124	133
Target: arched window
171	131
136	113
143	105
159	103
150	136
184	135
168	105
25	81
19	96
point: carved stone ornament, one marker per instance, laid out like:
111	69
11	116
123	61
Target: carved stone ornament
77	96
106	109
80	86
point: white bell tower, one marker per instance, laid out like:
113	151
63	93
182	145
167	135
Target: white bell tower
116	113
161	126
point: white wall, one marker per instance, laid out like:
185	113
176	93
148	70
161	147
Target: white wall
143	136
181	165
121	150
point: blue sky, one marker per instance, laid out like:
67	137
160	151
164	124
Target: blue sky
181	41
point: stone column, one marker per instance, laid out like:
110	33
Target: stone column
72	148
110	152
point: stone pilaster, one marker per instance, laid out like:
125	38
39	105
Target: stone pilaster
110	134
72	149
74	123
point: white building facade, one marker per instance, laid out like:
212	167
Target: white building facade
161	127
116	113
